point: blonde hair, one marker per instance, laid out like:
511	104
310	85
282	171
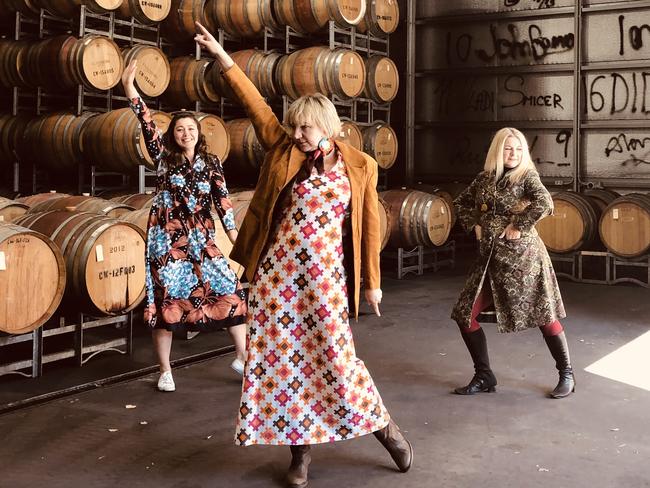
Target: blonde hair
315	109
494	158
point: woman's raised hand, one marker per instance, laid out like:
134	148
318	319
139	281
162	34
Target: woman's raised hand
128	79
207	41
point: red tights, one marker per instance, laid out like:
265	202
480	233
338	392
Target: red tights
484	300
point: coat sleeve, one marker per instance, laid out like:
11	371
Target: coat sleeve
222	203
541	203
267	126
370	236
465	206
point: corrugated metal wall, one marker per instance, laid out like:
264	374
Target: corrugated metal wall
534	64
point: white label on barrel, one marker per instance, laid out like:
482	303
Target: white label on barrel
3	263
442	210
99	253
615	214
2	218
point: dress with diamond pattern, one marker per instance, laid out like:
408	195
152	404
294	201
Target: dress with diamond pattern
303	383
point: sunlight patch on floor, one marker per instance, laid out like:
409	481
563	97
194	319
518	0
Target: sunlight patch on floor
629	364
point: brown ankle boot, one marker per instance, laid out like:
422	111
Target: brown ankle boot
397	445
298	470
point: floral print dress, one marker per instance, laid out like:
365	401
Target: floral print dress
519	272
303	383
190	285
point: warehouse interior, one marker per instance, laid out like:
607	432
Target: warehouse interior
421	86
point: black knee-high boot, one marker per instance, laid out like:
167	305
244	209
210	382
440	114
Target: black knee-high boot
483	379
560	351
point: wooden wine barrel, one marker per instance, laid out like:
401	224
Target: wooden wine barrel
442	193
32	279
153	72
624	226
114	139
30	8
417	218
246	152
241	18
180	23
10	210
96	62
71	8
380	141
13	63
318	70
259	67
216	134
145	11
382	79
139	217
573	225
190	82
309	16
32	200
83	203
385	222
351	134
381	18
104	259
47	63
136	200
12	129
54	140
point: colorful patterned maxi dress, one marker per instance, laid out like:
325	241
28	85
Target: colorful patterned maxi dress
303	383
190	285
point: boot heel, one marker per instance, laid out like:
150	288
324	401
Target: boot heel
491	389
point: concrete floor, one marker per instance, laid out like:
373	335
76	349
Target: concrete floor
597	438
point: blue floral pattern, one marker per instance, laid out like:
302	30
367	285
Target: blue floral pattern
196	243
178	278
159	243
177	180
189	283
217	272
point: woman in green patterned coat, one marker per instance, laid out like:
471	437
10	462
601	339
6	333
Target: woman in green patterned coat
513	271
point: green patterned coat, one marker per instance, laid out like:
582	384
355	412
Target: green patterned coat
520	272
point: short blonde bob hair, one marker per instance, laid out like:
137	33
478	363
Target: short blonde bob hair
317	110
494	159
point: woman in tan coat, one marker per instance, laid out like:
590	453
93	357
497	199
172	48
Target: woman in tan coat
513	271
311	227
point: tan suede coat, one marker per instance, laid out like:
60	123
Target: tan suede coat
281	164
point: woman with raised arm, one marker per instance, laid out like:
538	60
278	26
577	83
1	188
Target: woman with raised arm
311	227
190	286
513	271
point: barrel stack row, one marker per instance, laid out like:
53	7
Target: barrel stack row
596	219
113	140
96	62
69	250
239	18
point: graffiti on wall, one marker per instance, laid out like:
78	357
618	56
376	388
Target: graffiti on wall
509	97
616	154
461	152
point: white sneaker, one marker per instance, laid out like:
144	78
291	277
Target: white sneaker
238	366
166	382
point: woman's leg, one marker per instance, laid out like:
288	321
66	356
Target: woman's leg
555	339
162	342
474	338
298	474
238	334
